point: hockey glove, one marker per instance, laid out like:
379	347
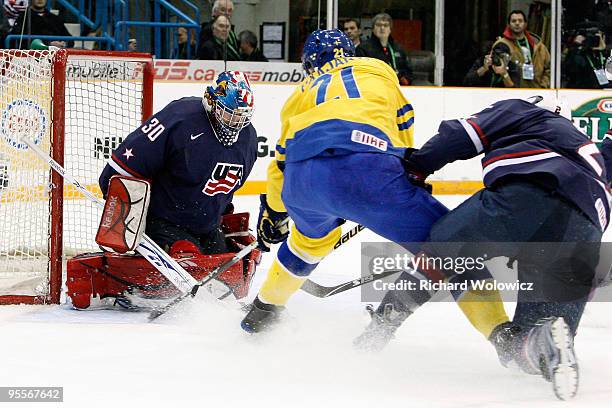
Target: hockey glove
229	209
415	175
272	226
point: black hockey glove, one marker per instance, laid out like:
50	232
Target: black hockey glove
272	226
415	175
229	209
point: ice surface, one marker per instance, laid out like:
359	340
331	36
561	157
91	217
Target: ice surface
198	356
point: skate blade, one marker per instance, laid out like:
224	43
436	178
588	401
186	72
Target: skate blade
565	375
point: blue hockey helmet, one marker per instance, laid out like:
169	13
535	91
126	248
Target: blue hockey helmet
323	46
229	105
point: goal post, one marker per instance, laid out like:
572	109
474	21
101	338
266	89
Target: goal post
78	105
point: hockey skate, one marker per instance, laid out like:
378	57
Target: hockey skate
381	329
261	317
507	338
550	346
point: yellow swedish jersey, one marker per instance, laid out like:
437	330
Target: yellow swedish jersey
350	105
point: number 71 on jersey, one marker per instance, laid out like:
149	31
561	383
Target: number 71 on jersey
348	80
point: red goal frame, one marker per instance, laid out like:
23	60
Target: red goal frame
58	73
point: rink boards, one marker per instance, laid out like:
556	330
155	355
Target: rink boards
591	113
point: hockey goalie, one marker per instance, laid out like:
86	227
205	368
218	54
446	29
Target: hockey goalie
190	157
118	278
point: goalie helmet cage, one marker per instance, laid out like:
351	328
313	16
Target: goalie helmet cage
78	105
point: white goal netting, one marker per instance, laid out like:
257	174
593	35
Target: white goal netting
103	104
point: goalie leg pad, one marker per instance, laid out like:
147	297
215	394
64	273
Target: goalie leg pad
233	224
109	274
237	277
236	230
79	281
89	276
106	274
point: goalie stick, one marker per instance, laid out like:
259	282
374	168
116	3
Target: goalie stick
212	275
165	264
309	286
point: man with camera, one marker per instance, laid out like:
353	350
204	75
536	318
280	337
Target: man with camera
527	51
584	66
494	70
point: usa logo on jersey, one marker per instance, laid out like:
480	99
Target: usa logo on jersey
224	178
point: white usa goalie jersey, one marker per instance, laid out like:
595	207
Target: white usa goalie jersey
521	139
193	176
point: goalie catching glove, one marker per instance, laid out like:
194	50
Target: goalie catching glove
272	226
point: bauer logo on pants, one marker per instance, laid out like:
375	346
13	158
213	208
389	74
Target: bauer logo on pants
224	178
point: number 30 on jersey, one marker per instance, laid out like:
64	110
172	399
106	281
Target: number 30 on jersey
153	129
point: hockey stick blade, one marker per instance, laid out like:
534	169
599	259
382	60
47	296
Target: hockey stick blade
212	275
163	262
321	291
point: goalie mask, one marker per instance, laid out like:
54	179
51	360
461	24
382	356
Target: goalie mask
229	105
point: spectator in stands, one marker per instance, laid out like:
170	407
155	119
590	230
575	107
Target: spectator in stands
12	9
184	51
585	64
352	29
218	47
92	32
381	46
527	51
220	8
494	69
132	45
4	29
248	47
603	16
42	22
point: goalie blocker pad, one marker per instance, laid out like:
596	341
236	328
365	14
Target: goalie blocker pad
124	216
109	274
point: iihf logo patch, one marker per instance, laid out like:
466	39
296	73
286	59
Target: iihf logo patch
224	178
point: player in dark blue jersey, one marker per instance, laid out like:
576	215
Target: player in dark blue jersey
606	150
196	152
546	182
